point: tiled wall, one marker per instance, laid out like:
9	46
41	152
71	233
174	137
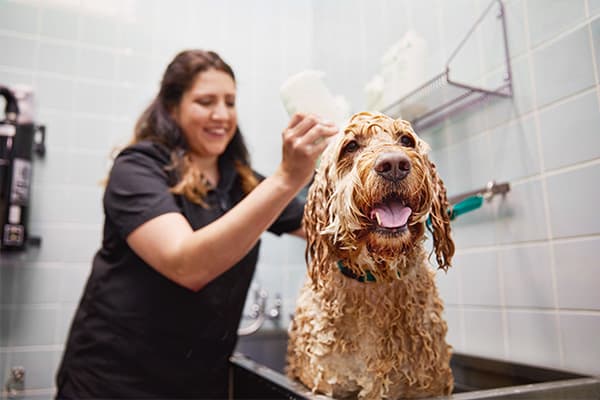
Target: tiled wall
525	281
523	286
94	65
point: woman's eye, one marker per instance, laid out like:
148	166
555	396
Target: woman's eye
351	146
407	141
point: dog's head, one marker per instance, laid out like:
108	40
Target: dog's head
372	194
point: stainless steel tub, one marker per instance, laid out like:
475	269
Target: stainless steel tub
259	361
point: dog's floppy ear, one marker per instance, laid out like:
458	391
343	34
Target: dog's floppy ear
316	218
443	245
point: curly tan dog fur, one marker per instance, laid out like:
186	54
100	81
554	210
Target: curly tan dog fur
381	334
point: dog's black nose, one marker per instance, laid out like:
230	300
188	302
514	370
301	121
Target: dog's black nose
392	166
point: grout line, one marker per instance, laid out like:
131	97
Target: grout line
574	167
548	42
523	309
524	244
593	52
545	195
504	313
77	44
529	114
586	8
35	348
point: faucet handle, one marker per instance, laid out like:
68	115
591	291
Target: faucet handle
275	312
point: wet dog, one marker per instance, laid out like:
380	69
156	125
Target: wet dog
368	321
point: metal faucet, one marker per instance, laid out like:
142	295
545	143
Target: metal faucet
258	312
15	383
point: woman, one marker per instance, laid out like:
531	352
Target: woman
183	216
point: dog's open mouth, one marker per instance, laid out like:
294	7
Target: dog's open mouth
390	216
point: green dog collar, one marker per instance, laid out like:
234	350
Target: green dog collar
368	277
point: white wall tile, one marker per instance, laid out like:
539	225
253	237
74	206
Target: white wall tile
37	363
515	150
558	77
36	284
501	110
492	34
527	276
594	7
595	28
515	26
8	278
573	202
50	204
576	276
469	165
88	169
11	77
19	17
57	58
548	19
479	278
569	132
31	325
98	30
60	23
484	333
462	126
521	215
476	228
580	341
81	242
448	283
53	243
89	132
533	338
3	354
454	336
66	312
425	18
96	64
137	69
18	52
93	98
50	170
54	92
72	281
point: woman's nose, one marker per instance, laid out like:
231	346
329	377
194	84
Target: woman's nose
220	111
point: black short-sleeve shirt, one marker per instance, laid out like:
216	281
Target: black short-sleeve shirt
137	334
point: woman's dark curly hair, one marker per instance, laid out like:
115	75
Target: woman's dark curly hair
156	124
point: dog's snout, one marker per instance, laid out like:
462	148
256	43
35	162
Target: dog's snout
392	166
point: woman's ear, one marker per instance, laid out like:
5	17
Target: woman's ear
443	245
174	113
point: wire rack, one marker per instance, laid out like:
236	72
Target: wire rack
443	96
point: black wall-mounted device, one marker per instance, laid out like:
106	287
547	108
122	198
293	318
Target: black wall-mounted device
19	139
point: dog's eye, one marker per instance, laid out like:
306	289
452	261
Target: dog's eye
407	141
351	146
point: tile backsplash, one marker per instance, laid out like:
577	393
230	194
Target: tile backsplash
523	286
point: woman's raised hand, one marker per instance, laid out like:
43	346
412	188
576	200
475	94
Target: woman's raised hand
304	140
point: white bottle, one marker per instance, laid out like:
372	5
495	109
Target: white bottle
306	92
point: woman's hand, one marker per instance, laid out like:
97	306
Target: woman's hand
304	140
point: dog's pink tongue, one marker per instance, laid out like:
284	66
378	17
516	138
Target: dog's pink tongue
391	215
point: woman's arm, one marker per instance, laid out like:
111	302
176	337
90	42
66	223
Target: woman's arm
194	258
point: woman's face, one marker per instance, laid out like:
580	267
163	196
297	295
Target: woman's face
206	113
